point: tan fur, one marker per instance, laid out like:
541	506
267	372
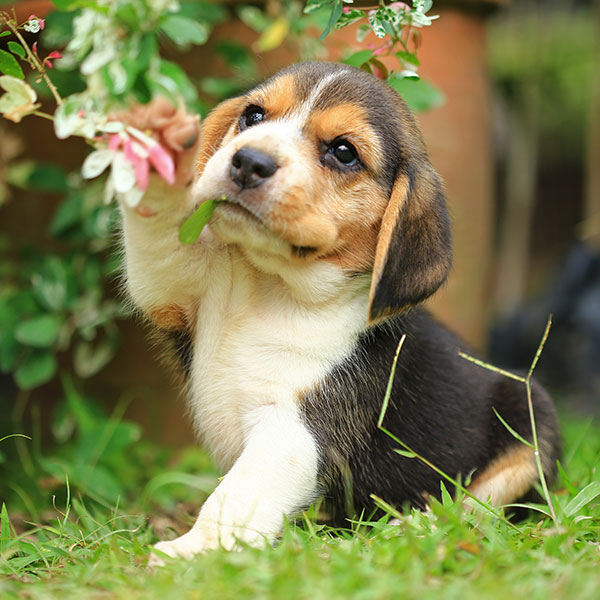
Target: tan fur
278	99
350	122
386	231
168	317
214	128
507	478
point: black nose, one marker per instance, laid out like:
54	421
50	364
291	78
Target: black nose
250	167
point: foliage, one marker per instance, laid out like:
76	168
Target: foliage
544	58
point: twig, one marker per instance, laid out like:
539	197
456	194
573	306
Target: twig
35	62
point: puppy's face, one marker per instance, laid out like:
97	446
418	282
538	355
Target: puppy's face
320	163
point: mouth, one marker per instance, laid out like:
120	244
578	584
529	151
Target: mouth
235	211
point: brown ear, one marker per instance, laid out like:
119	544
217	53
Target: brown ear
214	128
414	249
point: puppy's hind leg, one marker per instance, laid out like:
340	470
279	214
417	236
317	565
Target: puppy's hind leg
511	476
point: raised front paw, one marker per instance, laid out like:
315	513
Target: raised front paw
173	128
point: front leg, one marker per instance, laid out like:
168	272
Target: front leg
164	277
274	477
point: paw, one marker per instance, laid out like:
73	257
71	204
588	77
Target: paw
187	546
176	131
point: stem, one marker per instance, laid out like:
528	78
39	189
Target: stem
536	448
35	62
536	452
44	115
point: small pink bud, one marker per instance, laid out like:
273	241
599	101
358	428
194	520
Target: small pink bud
48	63
34	47
54	54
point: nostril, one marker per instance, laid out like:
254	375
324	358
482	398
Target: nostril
265	168
250	167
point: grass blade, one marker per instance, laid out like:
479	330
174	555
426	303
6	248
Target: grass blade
585	496
512	431
388	391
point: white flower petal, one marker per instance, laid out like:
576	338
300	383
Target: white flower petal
109	190
133	197
112	127
96	59
96	163
65	122
123	173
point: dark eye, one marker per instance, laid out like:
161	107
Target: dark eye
345	152
251	116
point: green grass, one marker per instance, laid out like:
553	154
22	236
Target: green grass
84	549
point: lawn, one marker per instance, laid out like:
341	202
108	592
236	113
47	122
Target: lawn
84	548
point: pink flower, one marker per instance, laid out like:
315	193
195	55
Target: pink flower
141	151
162	161
53	55
138	157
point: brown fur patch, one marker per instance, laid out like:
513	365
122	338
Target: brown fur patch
214	128
386	231
349	121
168	317
507	478
278	99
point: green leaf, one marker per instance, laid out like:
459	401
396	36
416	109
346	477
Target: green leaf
10	66
446	497
193	226
349	18
47	177
89	358
585	496
17	49
254	18
9	349
39	332
405	453
184	31
314	5
333	17
37	368
4	34
408	57
4	529
179	80
511	430
358	58
67	4
418	94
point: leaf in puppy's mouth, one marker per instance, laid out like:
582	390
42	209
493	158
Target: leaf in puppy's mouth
193	226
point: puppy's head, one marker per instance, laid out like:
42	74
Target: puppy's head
324	162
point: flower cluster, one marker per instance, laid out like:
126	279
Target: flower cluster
34	24
130	154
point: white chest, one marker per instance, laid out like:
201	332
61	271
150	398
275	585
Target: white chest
255	344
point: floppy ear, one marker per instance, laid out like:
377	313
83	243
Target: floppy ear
414	251
214	128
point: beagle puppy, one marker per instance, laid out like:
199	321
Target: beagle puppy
285	314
